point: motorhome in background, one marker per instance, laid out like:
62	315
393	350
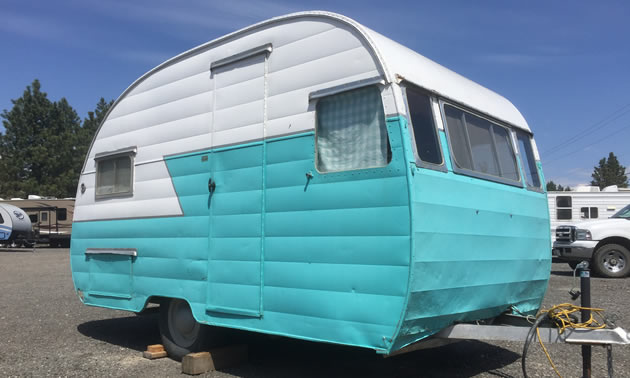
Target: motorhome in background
311	178
15	227
585	203
51	218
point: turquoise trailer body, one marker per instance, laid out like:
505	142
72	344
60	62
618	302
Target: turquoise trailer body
263	240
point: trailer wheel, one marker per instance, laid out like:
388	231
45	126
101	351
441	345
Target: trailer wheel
181	333
612	260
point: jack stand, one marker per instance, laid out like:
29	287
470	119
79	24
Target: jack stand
585	301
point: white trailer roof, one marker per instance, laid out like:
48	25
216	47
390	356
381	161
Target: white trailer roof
402	61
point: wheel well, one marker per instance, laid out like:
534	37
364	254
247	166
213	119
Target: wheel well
614	240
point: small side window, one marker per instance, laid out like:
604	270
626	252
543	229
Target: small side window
563	207
34	218
62	214
351	132
563	201
563	214
44	217
114	176
589	212
527	159
594	212
423	126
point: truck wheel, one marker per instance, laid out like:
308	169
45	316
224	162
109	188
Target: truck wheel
181	333
612	260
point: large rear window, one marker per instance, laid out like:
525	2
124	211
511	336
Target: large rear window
480	147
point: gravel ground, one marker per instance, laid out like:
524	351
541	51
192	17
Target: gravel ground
46	331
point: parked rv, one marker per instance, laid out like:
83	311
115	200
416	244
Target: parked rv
605	243
311	178
15	227
585	203
51	218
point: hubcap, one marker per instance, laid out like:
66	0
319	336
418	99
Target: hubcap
181	323
614	261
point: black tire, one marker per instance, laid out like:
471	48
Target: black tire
181	333
612	261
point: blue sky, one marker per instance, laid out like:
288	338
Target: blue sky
565	65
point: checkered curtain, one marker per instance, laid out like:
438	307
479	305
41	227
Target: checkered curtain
351	132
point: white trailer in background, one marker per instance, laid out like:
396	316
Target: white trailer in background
585	203
15	226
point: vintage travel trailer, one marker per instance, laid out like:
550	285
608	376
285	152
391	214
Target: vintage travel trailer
51	218
15	226
585	203
311	178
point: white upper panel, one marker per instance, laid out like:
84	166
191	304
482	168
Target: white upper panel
311	51
182	106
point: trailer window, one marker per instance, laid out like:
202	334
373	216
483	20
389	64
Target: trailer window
589	212
423	126
351	132
563	207
526	154
44	217
33	218
480	146
563	201
113	176
62	214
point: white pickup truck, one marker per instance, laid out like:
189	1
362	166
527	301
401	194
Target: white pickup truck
604	243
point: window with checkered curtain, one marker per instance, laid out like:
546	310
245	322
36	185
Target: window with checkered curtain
351	132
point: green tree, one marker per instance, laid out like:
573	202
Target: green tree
609	172
551	186
38	146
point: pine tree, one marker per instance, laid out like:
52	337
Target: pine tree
609	172
551	186
38	145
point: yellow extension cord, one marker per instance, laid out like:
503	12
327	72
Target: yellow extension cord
560	315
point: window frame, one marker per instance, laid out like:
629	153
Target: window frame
61	214
569	208
589	212
129	152
419	162
494	122
338	90
540	188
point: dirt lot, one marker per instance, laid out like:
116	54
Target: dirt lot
46	331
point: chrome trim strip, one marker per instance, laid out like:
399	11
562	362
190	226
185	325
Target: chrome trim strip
264	49
345	87
112	251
